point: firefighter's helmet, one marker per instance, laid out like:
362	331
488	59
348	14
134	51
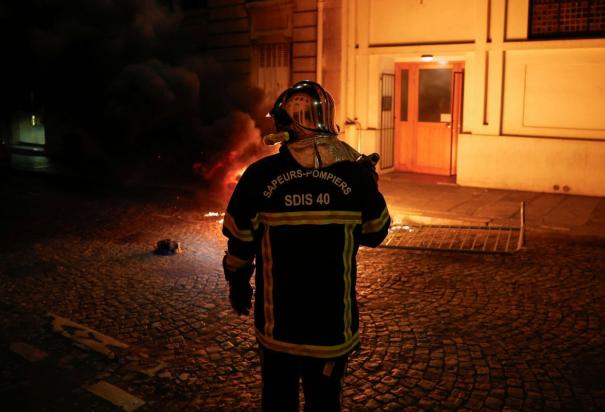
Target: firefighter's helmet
305	108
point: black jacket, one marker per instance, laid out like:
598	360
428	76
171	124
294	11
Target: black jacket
304	227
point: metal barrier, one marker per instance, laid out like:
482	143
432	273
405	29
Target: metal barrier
490	238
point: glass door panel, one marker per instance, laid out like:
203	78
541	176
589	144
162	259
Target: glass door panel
435	95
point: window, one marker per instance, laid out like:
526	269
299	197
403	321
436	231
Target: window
434	95
403	111
566	18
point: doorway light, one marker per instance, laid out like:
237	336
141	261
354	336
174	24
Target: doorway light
427	57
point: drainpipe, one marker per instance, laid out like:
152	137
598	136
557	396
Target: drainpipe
320	41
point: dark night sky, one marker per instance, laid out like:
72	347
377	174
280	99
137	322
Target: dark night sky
122	74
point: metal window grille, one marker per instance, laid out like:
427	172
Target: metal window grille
566	18
272	68
274	55
387	126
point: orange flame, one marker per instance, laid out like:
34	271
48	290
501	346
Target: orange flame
225	172
233	175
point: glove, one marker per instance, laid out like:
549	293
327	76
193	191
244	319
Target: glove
240	297
370	162
240	291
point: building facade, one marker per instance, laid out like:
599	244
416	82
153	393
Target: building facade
500	93
271	43
526	99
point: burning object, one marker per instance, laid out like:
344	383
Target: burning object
216	214
167	247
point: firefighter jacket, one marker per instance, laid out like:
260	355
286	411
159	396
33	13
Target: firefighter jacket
304	227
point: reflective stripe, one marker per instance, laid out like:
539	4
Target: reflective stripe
268	283
375	225
315	351
241	234
311	218
347	255
350	220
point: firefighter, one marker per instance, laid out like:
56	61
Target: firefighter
298	217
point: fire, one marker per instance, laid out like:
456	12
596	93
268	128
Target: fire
225	172
223	168
232	176
216	214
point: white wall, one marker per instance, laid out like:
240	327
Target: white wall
516	18
555	92
414	21
534	164
24	130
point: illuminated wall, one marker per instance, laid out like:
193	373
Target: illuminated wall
28	129
414	21
532	109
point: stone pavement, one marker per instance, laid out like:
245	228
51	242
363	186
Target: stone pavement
430	199
440	331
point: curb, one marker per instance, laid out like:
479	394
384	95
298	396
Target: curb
400	216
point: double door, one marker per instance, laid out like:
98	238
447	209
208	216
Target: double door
428	116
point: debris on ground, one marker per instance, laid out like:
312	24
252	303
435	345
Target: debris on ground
167	247
85	336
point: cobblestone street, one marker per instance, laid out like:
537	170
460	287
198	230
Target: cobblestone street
440	330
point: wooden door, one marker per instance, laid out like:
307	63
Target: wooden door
427	116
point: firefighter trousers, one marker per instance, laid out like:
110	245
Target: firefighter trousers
321	382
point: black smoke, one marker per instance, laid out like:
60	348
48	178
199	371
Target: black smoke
121	84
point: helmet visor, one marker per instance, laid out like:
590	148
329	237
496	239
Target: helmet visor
301	109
